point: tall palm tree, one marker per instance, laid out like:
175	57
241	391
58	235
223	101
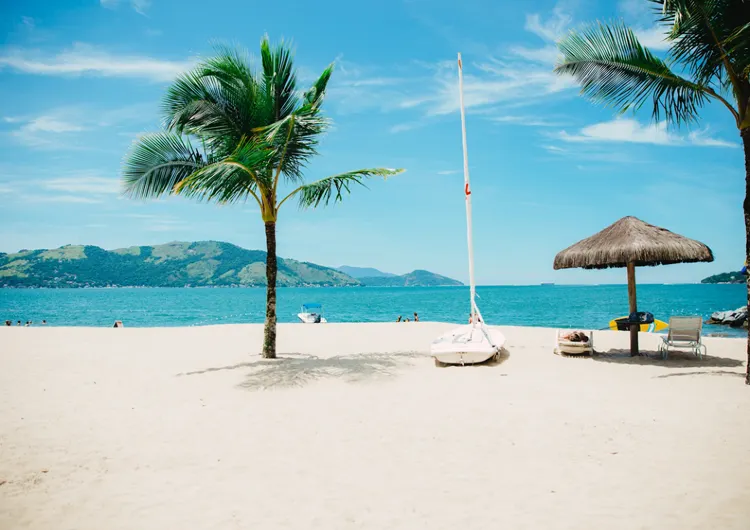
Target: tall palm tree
233	134
708	60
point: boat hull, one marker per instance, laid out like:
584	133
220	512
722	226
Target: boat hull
467	345
653	327
307	318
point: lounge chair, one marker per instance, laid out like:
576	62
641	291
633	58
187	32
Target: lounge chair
565	346
684	332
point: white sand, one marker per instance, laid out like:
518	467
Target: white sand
186	428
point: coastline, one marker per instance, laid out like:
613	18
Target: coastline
539	306
354	427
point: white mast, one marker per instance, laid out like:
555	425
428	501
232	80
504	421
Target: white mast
467	192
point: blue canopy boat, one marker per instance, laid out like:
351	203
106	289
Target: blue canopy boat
312	313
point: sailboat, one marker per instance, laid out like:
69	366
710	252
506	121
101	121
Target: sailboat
472	343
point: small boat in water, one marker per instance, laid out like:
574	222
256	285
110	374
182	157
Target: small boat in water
312	314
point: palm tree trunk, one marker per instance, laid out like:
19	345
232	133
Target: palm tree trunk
745	133
269	333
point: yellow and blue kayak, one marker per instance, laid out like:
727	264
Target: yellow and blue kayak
653	327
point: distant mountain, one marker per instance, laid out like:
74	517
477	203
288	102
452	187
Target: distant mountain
364	272
178	264
726	277
417	278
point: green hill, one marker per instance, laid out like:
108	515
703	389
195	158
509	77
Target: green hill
726	277
179	264
417	278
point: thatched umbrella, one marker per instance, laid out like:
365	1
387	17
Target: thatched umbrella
630	243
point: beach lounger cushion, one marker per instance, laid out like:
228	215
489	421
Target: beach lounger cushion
571	347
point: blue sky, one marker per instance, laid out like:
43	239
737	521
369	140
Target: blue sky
79	80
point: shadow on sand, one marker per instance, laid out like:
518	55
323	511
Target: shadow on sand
676	360
297	369
702	372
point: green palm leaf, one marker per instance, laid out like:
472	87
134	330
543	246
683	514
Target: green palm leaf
214	101
158	162
279	78
333	188
314	96
705	37
233	178
295	139
613	68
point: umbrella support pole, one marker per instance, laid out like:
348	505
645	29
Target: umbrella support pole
633	308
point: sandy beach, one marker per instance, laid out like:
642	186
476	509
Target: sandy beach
354	427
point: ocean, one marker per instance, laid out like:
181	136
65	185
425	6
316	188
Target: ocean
545	305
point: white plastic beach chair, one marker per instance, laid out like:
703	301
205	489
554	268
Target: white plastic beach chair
569	347
684	332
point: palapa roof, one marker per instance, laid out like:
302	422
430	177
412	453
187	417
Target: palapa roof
632	240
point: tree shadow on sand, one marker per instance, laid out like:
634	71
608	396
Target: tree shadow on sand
298	369
676	359
722	373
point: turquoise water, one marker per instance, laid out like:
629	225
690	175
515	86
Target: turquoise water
564	306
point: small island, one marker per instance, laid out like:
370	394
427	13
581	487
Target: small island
726	277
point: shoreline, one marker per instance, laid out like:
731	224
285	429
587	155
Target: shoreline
717	335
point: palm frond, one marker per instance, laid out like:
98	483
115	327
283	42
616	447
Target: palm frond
231	179
158	162
194	104
279	78
220	101
613	68
706	38
333	188
295	139
315	94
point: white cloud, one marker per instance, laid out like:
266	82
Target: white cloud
165	224
488	84
551	29
653	38
700	138
87	59
44	131
631	131
58	128
554	149
547	54
141	215
531	121
635	9
642	16
403	127
50	124
59	198
140	6
449	172
524	74
86	184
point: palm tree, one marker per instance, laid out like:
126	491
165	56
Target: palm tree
232	135
708	60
